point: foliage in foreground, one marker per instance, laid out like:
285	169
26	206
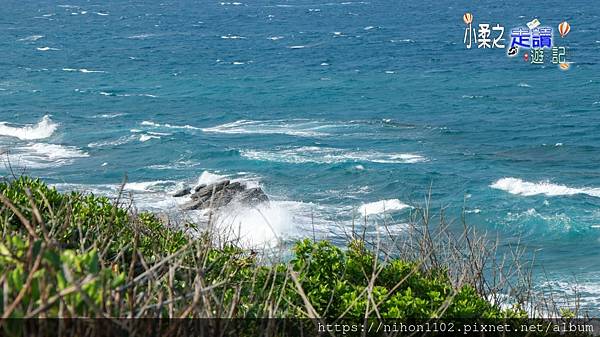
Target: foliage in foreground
74	255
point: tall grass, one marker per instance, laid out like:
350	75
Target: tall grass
76	255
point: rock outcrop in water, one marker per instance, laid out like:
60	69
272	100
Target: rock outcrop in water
220	194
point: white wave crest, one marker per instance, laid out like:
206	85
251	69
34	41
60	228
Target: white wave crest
207	178
232	37
42	129
326	155
110	115
300	128
382	206
83	70
520	187
32	38
145	138
114	142
168	126
46	48
148	186
42	155
262	225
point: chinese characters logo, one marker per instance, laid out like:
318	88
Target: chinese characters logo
535	39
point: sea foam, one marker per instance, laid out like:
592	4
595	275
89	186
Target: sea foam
382	206
520	187
43	129
327	155
168	126
300	128
42	155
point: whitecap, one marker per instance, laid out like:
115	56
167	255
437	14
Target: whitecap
586	292
301	128
265	224
148	186
43	129
296	47
520	187
111	143
83	70
145	138
112	94
207	178
368	28
101	14
42	155
46	49
232	37
327	155
524	85
90	71
275	38
382	206
32	38
109	116
168	126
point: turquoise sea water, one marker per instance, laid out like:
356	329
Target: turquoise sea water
334	108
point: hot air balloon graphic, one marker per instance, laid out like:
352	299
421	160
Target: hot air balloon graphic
564	28
468	18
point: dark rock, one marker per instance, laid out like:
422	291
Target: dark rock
191	205
233	188
210	189
182	192
199	187
253	196
223	193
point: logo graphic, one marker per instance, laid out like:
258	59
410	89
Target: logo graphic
533	23
537	40
468	18
564	28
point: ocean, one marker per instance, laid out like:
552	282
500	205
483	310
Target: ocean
336	109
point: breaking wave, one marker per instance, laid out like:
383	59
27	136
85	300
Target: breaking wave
300	128
327	155
42	129
168	126
42	155
520	187
382	206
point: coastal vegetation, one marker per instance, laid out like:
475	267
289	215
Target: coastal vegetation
74	255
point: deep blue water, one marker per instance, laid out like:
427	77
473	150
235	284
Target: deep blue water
327	105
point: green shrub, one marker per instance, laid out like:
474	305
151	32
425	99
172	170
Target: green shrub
91	258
